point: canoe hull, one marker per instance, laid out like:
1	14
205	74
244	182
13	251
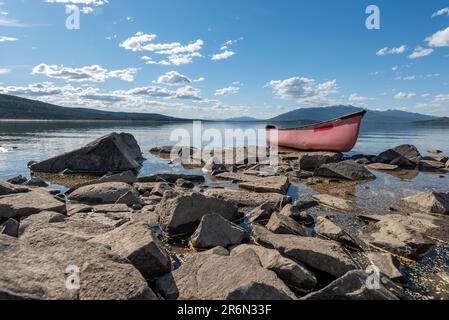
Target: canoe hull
339	135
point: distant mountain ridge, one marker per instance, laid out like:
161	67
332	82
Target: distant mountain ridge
16	108
327	113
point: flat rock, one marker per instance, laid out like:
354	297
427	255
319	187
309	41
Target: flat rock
292	273
322	255
26	204
431	202
111	153
382	167
344	170
262	213
353	286
237	277
403	156
281	224
110	192
7	188
276	184
330	230
214	231
429	165
246	198
39	269
10	228
334	202
442	159
180	214
137	243
172	178
387	264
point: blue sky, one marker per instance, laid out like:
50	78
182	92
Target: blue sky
219	59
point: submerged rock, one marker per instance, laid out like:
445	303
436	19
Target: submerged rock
432	202
246	198
334	202
111	153
110	192
214	231
353	286
403	156
344	170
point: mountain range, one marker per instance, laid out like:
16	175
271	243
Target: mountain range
16	108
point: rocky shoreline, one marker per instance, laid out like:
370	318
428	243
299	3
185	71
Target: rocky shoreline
178	236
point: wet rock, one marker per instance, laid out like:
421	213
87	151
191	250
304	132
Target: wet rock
247	199
137	243
36	182
281	224
214	166
353	286
322	255
214	230
275	184
40	267
125	177
26	204
110	192
387	264
160	188
292	273
402	156
10	228
382	167
432	202
171	178
262	213
334	202
180	214
447	164
314	160
19	179
330	230
241	277
392	235
182	183
442	159
111	153
344	170
428	165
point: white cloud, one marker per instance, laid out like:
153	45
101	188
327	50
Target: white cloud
441	12
420	52
386	51
7	39
4	71
439	39
173	78
227	91
80	2
200	79
136	42
94	73
442	98
356	98
404	95
223	55
304	90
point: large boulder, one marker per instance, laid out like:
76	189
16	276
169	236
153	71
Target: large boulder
344	170
137	243
292	273
111	153
432	202
216	231
247	198
25	204
7	188
110	192
282	224
45	267
216	277
322	255
353	286
181	213
403	156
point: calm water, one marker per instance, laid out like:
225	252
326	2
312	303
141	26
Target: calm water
41	140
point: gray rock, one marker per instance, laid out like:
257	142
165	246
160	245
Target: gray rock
312	161
353	286
382	166
171	178
214	166
110	192
214	230
180	214
182	183
442	159
39	221
322	255
246	198
334	202
276	184
39	268
431	202
218	251
7	188
262	213
429	165
36	182
330	230
387	264
138	244
126	177
25	204
19	179
344	170
447	164
237	277
10	228
160	188
402	156
166	287
111	153
292	273
281	224
294	212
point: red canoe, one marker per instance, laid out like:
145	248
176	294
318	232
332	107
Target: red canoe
339	135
